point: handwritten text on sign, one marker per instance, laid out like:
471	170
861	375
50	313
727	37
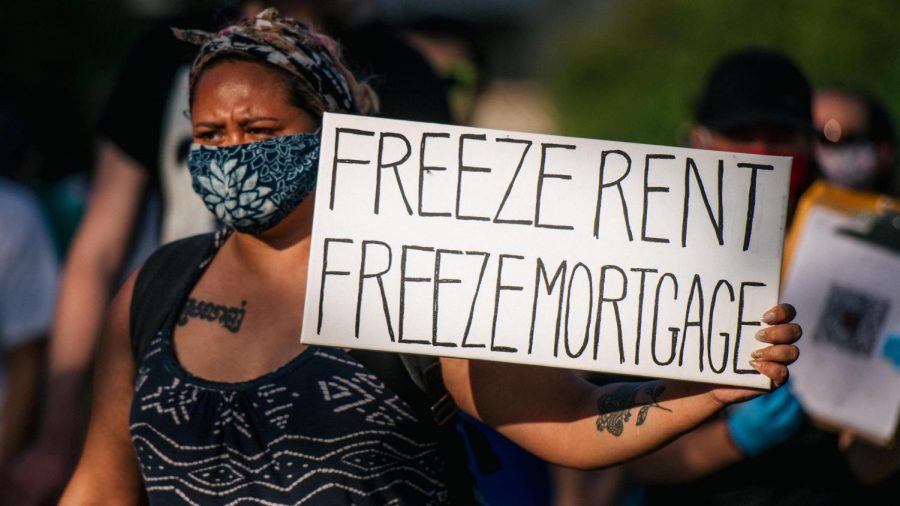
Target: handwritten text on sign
547	250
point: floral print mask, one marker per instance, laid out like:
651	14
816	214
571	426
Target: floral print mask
252	187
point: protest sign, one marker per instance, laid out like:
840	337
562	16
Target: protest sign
842	276
547	250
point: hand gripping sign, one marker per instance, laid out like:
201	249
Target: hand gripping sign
546	250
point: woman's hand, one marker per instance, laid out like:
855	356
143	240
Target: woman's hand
771	361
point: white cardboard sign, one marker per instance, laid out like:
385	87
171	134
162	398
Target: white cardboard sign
538	249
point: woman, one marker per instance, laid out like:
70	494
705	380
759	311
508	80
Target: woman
243	412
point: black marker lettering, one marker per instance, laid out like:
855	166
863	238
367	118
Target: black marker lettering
673	330
709	332
484	264
325	274
696	287
615	303
647	191
403	281
541	271
499	288
751	202
423	169
718	224
393	165
590	306
438	280
363	275
540	185
512	182
640	317
601	185
740	325
464	168
337	142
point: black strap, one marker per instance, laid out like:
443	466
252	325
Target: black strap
161	284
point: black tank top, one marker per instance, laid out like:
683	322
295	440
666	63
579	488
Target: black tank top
320	430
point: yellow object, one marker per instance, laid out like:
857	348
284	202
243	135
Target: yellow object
849	202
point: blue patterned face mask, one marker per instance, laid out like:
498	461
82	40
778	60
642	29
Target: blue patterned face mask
252	187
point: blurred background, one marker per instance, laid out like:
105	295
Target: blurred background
613	69
608	69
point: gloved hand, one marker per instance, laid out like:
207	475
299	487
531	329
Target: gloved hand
765	421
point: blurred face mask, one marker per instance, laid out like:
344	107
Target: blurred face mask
799	166
784	142
849	165
253	187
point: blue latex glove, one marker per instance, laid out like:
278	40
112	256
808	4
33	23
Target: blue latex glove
765	421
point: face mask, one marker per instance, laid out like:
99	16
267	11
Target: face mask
252	187
850	166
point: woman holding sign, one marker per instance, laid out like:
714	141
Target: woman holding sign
225	405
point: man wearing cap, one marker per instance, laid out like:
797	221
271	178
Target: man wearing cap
755	101
758	101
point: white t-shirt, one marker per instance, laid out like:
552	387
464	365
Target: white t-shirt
29	271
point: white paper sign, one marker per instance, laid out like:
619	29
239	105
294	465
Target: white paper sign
847	299
538	249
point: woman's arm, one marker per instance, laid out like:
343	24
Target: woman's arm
108	471
97	254
566	420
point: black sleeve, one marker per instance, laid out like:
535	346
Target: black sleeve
132	116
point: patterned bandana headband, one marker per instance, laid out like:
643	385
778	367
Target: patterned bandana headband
284	43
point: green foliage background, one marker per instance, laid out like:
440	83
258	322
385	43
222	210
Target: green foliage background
635	75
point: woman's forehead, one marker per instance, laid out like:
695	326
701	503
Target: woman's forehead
246	81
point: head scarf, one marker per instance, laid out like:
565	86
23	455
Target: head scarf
285	43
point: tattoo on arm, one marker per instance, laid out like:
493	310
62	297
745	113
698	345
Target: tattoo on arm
229	317
615	408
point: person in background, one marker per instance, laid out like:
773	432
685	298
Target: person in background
758	101
454	49
856	146
141	192
28	280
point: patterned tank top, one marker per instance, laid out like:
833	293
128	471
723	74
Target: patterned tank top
322	429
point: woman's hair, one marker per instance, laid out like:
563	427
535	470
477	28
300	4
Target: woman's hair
308	62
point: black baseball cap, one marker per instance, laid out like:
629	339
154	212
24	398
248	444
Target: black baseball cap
756	86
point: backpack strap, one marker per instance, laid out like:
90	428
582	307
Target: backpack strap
161	284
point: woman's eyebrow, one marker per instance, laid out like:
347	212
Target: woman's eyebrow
254	119
209	124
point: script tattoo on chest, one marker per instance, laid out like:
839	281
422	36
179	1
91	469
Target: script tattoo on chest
229	317
615	408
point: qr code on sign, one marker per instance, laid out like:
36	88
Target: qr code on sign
852	319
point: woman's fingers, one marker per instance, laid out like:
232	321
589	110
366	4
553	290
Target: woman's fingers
786	333
781	353
782	313
772	360
775	371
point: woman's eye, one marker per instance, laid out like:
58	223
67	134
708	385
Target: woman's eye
207	135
